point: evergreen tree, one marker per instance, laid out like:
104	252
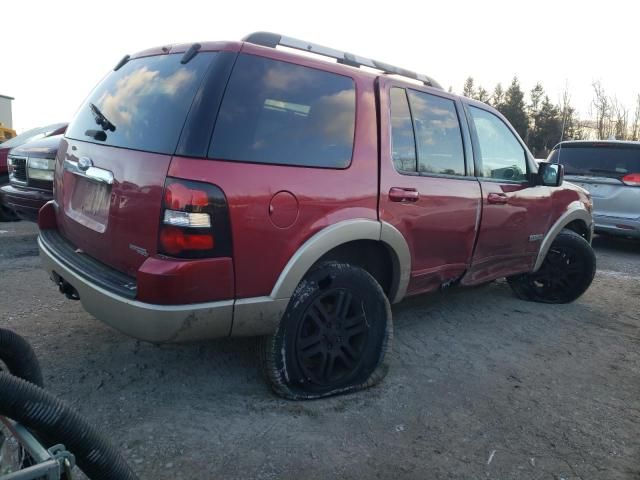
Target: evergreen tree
536	95
514	108
548	129
468	90
482	95
498	96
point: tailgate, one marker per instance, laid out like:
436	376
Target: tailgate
112	210
112	165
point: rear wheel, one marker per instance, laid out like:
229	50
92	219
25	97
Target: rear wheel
334	337
566	273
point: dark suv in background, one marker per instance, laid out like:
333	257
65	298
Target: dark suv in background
6	213
610	171
236	188
30	184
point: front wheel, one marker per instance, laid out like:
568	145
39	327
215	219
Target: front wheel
334	337
566	273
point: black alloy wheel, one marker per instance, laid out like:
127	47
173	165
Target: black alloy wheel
566	273
334	337
331	337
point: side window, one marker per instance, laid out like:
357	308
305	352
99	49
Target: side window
438	134
503	157
281	113
403	145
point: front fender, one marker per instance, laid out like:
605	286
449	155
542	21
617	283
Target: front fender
575	211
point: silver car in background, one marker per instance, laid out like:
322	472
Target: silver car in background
610	171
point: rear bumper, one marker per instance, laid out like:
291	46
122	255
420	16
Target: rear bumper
145	321
26	202
623	226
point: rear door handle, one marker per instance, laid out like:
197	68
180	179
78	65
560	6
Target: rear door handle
497	198
397	194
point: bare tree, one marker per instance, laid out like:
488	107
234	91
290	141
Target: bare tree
602	109
635	127
619	120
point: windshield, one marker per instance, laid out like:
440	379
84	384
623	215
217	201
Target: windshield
143	105
32	134
604	160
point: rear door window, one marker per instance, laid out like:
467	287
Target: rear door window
604	160
403	145
438	134
280	113
147	100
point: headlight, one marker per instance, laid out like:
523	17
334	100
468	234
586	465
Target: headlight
41	168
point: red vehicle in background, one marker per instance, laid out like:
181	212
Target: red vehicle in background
234	188
28	136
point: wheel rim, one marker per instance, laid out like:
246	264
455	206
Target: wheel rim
332	337
559	274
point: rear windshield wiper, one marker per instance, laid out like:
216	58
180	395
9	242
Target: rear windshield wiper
101	119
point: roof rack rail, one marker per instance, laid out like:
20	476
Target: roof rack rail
272	40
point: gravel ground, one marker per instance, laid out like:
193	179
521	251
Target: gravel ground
482	385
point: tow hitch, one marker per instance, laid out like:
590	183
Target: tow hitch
65	287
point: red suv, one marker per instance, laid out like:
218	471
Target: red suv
235	188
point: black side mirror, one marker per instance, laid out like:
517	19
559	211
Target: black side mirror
550	174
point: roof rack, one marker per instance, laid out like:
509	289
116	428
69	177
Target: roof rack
272	40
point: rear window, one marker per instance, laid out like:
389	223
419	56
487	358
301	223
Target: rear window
147	100
279	113
598	160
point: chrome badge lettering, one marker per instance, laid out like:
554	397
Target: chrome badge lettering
140	250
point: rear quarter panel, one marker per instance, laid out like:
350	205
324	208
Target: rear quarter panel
324	196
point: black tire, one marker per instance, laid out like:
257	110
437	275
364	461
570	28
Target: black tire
19	358
335	336
566	273
51	418
7	215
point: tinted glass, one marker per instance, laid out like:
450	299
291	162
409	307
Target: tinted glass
438	134
502	155
277	112
403	147
598	160
147	100
32	134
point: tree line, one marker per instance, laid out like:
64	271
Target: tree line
542	123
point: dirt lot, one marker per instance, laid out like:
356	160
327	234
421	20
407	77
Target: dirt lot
482	385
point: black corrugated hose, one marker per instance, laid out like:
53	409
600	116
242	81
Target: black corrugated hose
19	357
30	405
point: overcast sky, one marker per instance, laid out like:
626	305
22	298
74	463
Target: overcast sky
54	52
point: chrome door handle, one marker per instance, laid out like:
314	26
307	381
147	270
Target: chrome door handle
397	194
498	198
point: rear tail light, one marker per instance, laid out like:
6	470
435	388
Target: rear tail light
632	179
195	220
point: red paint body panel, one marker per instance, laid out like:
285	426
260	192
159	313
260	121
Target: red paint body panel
4	170
440	226
170	281
451	228
132	215
325	196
